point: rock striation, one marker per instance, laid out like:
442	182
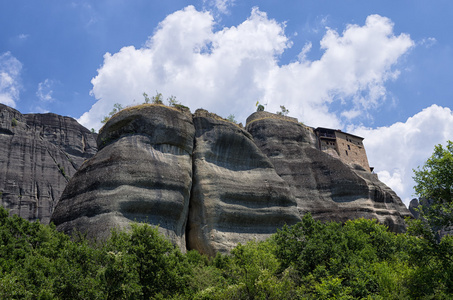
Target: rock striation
142	172
40	153
322	184
206	182
236	195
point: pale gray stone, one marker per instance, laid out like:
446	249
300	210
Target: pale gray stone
40	152
323	185
237	196
142	172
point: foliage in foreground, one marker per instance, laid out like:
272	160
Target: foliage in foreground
434	184
310	260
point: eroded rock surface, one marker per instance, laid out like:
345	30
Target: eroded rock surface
237	195
40	153
208	183
323	185
142	172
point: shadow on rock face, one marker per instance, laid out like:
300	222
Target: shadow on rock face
209	184
321	183
142	172
237	195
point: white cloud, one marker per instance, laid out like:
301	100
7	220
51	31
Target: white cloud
428	42
227	71
44	92
303	54
353	70
397	149
222	6
10	86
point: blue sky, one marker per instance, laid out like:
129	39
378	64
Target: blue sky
379	69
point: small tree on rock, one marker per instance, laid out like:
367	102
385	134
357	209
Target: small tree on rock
259	107
116	108
284	111
158	98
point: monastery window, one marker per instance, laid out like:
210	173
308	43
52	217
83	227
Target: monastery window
346	152
349	147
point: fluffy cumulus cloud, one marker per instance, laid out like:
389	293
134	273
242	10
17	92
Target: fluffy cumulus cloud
10	69
228	70
396	150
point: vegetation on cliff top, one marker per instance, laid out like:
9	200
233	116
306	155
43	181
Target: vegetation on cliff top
310	260
172	102
156	100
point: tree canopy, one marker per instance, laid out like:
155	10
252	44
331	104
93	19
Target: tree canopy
434	184
359	259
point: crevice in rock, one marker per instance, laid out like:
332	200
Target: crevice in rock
188	219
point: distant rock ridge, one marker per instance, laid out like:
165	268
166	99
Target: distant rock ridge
40	152
209	183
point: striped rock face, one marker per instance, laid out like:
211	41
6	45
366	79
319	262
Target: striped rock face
323	184
142	172
210	184
39	153
237	196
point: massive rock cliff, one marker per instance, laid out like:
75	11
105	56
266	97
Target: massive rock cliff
142	172
210	184
322	184
236	195
40	153
207	183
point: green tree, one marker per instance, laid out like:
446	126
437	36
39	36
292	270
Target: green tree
116	108
172	101
259	107
158	98
143	264
335	260
433	255
284	111
145	95
434	182
37	262
232	119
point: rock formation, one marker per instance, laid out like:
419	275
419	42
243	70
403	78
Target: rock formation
236	195
40	152
210	184
142	172
207	183
414	207
322	184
